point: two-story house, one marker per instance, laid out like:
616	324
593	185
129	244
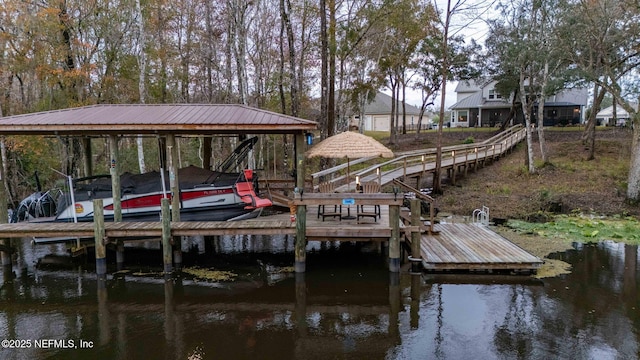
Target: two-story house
479	104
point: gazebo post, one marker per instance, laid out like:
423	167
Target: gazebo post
174	184
87	156
115	190
301	210
5	255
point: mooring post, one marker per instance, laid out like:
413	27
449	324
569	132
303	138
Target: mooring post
301	239
166	236
174	184
99	237
394	241
416	236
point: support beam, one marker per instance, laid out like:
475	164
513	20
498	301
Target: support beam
416	259
300	160
5	256
87	156
394	241
99	236
301	239
206	152
115	178
174	184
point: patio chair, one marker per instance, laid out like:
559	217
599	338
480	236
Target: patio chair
327	188
370	187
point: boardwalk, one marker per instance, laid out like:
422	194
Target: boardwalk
416	164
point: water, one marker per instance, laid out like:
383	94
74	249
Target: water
347	306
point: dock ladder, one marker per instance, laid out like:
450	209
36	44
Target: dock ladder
481	216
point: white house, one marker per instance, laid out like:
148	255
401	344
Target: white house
605	116
377	114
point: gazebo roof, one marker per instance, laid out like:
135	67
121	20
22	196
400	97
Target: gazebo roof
179	119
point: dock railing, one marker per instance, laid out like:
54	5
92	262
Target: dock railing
423	197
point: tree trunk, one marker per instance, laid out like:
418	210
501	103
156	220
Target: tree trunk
392	120
526	109
331	103
633	187
324	72
541	139
589	135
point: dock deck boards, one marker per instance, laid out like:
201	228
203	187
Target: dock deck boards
464	246
459	246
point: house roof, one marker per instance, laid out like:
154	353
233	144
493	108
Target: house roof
382	105
470	101
185	119
620	112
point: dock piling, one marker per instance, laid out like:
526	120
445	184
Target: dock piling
416	214
301	239
394	241
99	236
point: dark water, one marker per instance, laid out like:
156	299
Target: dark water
347	306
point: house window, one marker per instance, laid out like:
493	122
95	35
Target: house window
494	95
463	116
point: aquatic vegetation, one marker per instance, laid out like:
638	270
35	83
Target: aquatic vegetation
210	274
583	228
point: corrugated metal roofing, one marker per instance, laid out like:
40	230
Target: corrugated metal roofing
154	119
381	105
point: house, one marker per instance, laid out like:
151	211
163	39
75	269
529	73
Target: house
605	116
377	114
479	104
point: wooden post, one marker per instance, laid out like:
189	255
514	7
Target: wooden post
99	237
174	184
206	152
453	168
115	178
394	241
416	258
166	236
466	161
87	156
300	160
4	216
301	239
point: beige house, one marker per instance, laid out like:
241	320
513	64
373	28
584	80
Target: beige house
377	115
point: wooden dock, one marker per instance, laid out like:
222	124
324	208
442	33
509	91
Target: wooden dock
459	246
472	247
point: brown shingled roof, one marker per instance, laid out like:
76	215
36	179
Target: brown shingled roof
185	119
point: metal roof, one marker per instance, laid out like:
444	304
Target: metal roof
179	119
381	105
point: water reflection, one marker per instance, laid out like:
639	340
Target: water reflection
346	306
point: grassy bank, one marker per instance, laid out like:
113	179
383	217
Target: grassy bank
571	199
